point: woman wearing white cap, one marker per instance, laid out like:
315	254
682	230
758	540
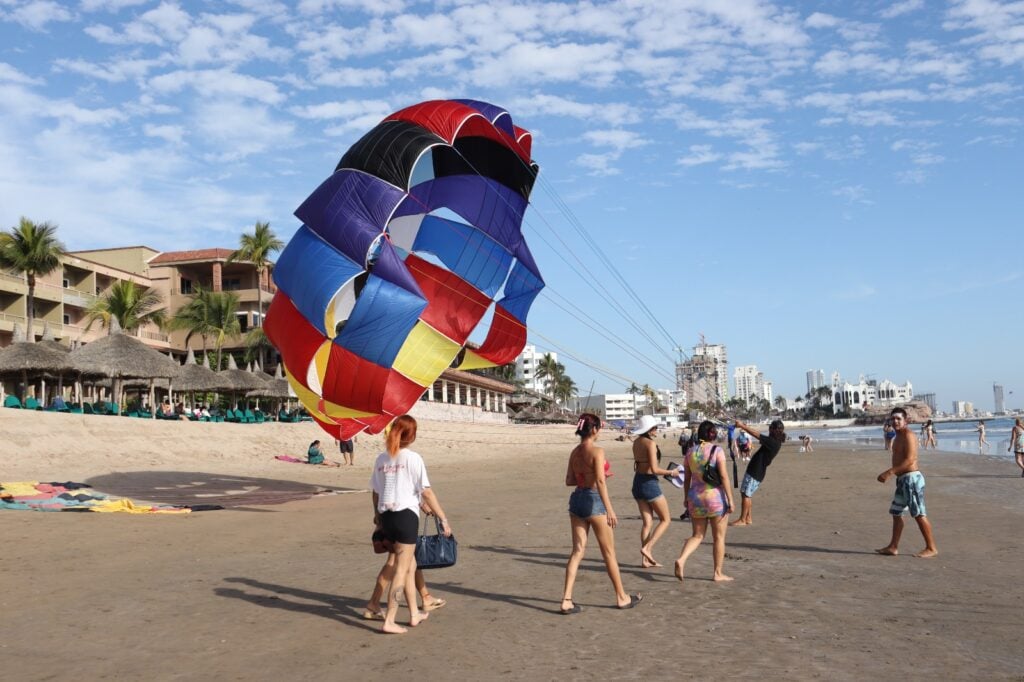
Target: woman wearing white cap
647	490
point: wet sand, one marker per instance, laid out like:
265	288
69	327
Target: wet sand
275	591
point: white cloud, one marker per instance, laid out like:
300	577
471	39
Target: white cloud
36	15
170	133
610	113
619	140
998	28
699	155
109	5
599	164
217	84
911	177
900	8
240	129
10	74
821	20
852	194
113	72
352	78
589	65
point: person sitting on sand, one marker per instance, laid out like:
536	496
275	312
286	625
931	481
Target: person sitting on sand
591	507
400	487
909	488
314	455
647	490
758	467
708	504
1017	444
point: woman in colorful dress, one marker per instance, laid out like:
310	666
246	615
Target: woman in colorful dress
708	505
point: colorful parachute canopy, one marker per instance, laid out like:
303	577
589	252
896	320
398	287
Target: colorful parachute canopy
400	256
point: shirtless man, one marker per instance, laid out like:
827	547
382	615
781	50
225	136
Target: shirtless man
909	488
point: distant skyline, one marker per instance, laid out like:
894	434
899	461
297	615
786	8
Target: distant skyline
813	184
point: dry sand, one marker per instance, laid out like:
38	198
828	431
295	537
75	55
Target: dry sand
275	591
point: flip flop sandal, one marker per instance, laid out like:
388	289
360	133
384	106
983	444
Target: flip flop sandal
373	615
433	603
633	601
566	612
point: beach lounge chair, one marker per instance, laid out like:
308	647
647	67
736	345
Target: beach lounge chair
32	404
88	409
12	402
260	417
76	409
250	416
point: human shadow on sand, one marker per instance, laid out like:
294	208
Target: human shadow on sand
794	548
558	559
182	488
347	610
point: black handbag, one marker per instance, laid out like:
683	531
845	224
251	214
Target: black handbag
710	472
435	551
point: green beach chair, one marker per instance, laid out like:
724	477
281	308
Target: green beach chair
88	409
76	409
12	402
249	416
32	404
260	417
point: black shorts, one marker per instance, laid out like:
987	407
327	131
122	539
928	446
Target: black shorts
401	526
346	446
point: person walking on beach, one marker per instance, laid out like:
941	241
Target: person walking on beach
929	435
909	488
981	435
400	487
647	490
591	507
1017	444
709	503
888	433
758	467
348	450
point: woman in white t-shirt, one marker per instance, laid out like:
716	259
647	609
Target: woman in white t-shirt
400	484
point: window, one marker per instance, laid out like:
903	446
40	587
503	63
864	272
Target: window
233	284
67	283
67	319
186	286
243	322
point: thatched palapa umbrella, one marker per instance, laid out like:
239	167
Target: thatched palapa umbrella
122	357
21	359
199	378
277	389
242	381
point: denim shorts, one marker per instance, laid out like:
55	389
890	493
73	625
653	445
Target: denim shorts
586	502
749	485
646	487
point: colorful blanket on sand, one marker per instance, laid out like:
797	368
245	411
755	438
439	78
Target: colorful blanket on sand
78	497
289	458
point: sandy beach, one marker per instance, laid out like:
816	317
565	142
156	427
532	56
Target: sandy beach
273	586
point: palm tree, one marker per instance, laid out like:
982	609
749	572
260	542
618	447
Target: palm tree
222	319
780	403
549	370
130	304
633	390
256	248
194	317
34	249
564	389
256	345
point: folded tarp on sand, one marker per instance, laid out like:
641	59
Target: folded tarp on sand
35	496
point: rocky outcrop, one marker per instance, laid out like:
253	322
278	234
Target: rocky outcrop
917	413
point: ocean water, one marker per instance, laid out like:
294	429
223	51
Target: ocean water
959	436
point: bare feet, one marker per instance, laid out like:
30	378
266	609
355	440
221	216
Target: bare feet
393	629
740	522
722	578
927	553
679	570
418	618
646	560
887	551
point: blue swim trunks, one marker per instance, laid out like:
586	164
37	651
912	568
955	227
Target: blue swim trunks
749	485
646	487
909	495
586	502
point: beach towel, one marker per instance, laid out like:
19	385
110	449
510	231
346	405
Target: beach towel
289	458
35	496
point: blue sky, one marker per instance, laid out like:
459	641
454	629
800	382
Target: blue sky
832	185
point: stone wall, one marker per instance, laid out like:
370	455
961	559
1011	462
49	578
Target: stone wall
449	412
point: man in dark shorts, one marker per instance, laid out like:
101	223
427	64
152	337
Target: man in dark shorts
758	466
348	450
909	488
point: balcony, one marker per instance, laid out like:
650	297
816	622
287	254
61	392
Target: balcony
78	298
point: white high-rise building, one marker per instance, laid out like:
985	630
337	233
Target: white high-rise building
749	382
526	368
815	379
997	395
714	360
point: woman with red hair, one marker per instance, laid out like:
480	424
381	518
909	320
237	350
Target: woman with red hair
400	486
